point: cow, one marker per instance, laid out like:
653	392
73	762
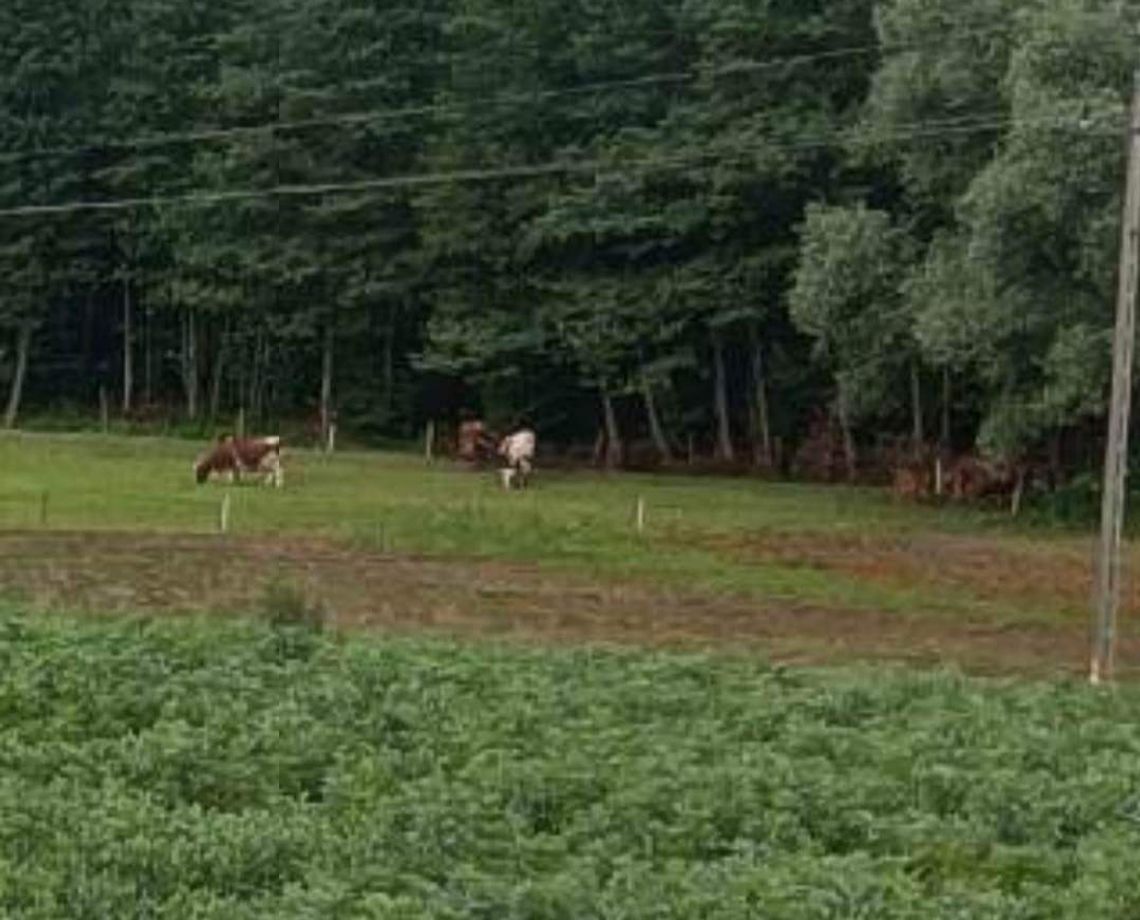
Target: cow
517	453
231	457
475	443
971	477
912	481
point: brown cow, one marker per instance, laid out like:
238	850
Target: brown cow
913	480
232	456
476	444
971	477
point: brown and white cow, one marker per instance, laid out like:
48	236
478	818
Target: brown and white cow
231	457
517	451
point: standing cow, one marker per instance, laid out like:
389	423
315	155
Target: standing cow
517	452
475	444
231	457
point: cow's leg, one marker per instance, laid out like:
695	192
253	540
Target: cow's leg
274	474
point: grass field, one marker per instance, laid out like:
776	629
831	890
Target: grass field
804	572
228	769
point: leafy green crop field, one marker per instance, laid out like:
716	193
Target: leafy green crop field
232	769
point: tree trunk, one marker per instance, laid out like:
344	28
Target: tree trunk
128	348
613	435
257	378
327	381
599	446
217	375
148	355
1018	490
916	406
190	364
16	393
849	455
720	382
762	442
946	394
386	367
656	431
87	337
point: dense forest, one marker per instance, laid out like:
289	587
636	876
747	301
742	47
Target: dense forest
710	226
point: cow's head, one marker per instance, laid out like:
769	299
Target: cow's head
202	469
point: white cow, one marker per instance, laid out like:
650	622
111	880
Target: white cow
517	451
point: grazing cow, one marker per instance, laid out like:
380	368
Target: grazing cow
475	443
517	451
232	456
974	478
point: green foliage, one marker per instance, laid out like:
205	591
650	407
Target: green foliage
177	770
295	619
957	188
847	298
1020	236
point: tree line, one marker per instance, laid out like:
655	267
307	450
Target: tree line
682	226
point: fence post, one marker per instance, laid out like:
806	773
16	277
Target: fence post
104	408
639	514
330	444
429	441
224	514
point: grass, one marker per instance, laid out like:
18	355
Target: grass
581	523
210	769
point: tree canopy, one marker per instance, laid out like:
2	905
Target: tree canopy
694	222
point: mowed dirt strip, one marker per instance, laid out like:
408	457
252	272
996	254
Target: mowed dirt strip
363	589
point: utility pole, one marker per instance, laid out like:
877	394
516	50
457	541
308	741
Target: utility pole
1116	453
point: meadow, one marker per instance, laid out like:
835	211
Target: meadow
802	571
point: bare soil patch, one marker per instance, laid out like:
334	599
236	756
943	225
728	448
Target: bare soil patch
370	590
1053	574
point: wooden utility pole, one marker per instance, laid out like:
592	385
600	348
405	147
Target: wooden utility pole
1116	453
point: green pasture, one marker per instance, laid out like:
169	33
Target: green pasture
582	522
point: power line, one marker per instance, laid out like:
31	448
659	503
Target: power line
738	68
963	125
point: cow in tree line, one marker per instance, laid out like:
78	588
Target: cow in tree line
478	445
517	453
968	478
230	457
475	443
